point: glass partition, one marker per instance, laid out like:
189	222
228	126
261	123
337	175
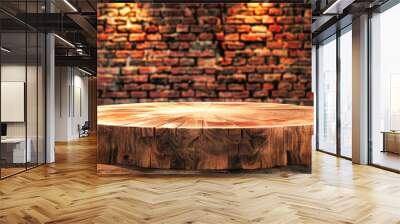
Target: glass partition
385	89
326	99
346	93
15	151
22	88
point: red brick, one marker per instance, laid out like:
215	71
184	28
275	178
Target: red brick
260	11
151	29
243	28
188	93
230	28
206	36
268	86
135	78
235	86
137	54
206	62
261	93
108	70
117	94
186	61
275	28
295	44
131	86
171	61
275	44
144	45
259	29
272	77
159	45
252	20
102	36
233	45
164	94
287	61
268	20
119	37
147	86
285	19
285	85
240	61
253	37
147	70
138	94
275	11
256	60
256	52
280	53
137	37
166	29
180	28
256	78
253	86
297	94
129	70
232	37
155	36
131	28
289	77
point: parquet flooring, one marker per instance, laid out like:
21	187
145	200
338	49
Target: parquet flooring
69	191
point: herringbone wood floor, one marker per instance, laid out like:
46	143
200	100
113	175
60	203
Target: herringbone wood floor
69	191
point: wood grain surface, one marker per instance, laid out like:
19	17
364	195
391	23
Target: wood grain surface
205	136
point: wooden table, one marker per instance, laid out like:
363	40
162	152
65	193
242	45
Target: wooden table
204	136
391	141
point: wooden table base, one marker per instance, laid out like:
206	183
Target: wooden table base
204	136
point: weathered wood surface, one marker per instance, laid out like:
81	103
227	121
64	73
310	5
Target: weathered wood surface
205	136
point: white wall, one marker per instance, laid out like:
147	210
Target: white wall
71	102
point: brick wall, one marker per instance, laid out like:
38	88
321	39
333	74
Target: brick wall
204	52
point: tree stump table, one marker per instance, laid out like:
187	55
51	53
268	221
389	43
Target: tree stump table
204	135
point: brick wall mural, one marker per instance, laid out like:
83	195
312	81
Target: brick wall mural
204	52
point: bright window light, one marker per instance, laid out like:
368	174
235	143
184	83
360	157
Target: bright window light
64	40
70	5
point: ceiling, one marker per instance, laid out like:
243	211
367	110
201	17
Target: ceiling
74	22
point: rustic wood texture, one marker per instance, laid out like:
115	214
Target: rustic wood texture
70	191
205	136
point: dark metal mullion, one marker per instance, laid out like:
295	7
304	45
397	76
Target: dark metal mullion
37	91
369	90
73	92
338	98
45	90
0	96
316	96
26	87
45	96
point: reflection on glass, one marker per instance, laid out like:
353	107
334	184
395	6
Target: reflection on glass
385	83
346	94
41	99
31	97
22	90
327	96
15	151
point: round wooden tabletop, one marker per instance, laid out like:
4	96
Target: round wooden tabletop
204	115
205	135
